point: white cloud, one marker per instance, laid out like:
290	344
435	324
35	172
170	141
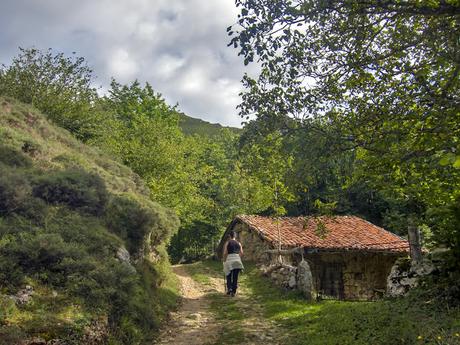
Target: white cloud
168	65
146	31
178	46
122	65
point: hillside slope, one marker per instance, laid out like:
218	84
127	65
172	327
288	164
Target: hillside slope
191	126
81	243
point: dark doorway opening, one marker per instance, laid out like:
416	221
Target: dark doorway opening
331	281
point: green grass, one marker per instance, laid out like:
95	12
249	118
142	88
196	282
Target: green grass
410	320
226	308
397	321
201	271
228	312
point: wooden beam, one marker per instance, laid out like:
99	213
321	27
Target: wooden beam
414	243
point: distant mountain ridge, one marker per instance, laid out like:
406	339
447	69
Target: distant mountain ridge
191	126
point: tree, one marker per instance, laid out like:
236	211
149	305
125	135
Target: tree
193	242
129	102
372	66
383	76
143	131
60	86
268	160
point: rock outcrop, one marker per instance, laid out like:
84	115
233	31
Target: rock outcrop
405	275
124	256
23	296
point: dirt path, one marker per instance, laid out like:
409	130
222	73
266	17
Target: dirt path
199	322
193	323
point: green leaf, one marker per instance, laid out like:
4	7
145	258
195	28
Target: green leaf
445	160
456	164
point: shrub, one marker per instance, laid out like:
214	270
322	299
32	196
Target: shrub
11	274
16	198
443	285
98	286
75	188
88	232
14	158
47	258
134	315
76	257
130	220
40	255
166	224
7	308
133	220
14	190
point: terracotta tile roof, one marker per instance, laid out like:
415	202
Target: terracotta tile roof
340	233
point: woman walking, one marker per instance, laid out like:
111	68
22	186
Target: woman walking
233	250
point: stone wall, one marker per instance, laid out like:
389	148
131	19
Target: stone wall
284	276
359	276
375	269
292	277
253	245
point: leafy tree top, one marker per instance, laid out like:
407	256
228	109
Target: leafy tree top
365	65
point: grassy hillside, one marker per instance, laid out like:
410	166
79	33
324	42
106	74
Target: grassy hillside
81	243
190	126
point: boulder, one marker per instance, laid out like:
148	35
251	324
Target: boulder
423	268
124	256
405	275
305	279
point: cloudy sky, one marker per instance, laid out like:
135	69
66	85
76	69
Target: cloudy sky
179	46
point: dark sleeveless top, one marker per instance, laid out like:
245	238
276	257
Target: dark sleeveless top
233	247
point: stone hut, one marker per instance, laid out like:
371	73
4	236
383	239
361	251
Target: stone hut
346	257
